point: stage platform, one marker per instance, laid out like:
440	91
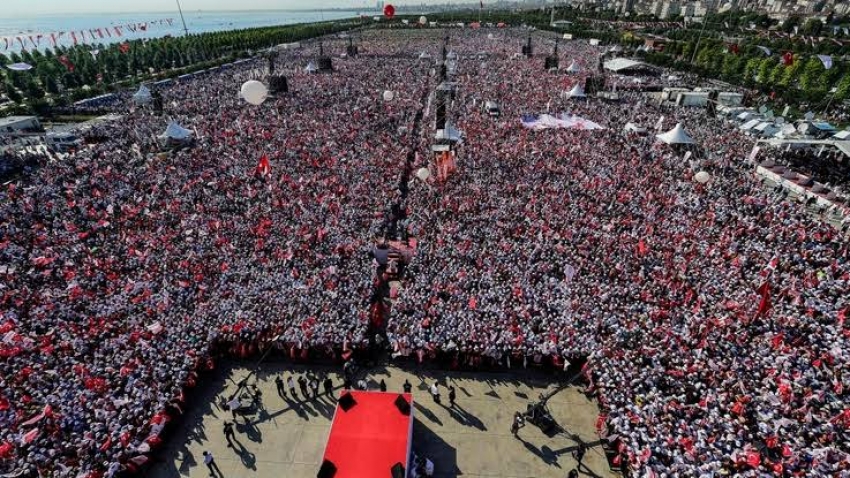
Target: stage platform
371	436
471	440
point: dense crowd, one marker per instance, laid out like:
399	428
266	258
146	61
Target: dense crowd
122	266
713	315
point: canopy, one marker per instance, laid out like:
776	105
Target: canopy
176	132
631	127
311	68
573	68
143	96
576	92
676	135
750	124
843	135
450	134
19	66
424	55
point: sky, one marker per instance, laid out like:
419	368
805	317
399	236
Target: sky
13	8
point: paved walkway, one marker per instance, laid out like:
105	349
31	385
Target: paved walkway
287	439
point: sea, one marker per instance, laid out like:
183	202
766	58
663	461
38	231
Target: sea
23	32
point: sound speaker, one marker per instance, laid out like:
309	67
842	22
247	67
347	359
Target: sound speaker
325	63
278	84
402	405
327	470
440	115
551	62
397	470
346	402
711	104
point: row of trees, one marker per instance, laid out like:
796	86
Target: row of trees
67	74
725	51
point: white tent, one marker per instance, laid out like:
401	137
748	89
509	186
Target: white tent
143	96
676	135
750	124
175	134
311	68
573	68
449	134
633	128
424	56
842	135
576	92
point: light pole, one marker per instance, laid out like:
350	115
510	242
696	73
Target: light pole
179	9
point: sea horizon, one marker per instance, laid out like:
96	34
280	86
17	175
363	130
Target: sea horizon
17	33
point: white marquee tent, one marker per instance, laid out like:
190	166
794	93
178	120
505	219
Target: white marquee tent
573	68
143	96
577	91
676	135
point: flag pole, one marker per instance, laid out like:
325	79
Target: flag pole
180	9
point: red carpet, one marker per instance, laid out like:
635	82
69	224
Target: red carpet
367	440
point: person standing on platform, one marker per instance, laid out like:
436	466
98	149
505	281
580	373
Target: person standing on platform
281	391
211	465
329	385
228	433
517	424
302	384
435	393
408	388
452	396
314	387
383	385
579	453
290	384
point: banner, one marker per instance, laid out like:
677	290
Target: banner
55	37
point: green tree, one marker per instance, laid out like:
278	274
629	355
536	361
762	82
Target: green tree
790	74
811	76
842	91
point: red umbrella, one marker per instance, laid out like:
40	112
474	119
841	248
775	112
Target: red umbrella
389	11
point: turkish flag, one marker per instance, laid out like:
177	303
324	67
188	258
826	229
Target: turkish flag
764	304
263	167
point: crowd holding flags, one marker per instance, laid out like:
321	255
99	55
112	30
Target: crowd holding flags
39	41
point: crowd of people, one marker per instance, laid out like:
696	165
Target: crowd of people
712	315
124	269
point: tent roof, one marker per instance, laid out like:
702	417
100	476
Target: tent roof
450	133
676	135
750	124
175	131
842	135
622	64
311	67
143	95
633	127
577	91
573	68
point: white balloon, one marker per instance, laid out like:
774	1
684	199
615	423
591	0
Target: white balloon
388	95
423	174
490	36
702	177
423	20
254	92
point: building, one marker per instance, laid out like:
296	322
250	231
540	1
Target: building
11	124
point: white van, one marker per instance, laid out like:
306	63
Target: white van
492	109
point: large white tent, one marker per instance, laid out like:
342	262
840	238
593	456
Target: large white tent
573	68
176	135
676	135
311	68
577	91
143	96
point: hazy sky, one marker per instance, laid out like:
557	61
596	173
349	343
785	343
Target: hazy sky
40	7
